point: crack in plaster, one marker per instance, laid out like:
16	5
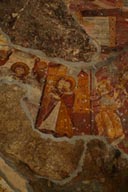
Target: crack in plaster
72	140
75	66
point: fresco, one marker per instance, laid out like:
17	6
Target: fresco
93	101
64	95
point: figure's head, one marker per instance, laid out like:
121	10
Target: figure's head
20	69
39	67
104	86
65	84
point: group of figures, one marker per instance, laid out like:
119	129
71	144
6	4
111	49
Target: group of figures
93	102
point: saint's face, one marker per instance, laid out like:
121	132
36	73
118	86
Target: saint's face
63	86
19	71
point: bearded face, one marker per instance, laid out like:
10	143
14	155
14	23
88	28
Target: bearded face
104	87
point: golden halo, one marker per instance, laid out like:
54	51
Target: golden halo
20	65
69	79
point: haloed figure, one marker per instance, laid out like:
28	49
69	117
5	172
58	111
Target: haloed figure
21	70
64	89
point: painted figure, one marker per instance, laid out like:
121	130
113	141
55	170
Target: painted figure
107	120
40	69
20	69
58	120
65	86
54	113
55	71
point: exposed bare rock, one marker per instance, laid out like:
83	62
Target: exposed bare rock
104	170
47	26
54	160
103	165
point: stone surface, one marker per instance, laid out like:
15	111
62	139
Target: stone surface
104	170
103	166
54	160
47	26
94	163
